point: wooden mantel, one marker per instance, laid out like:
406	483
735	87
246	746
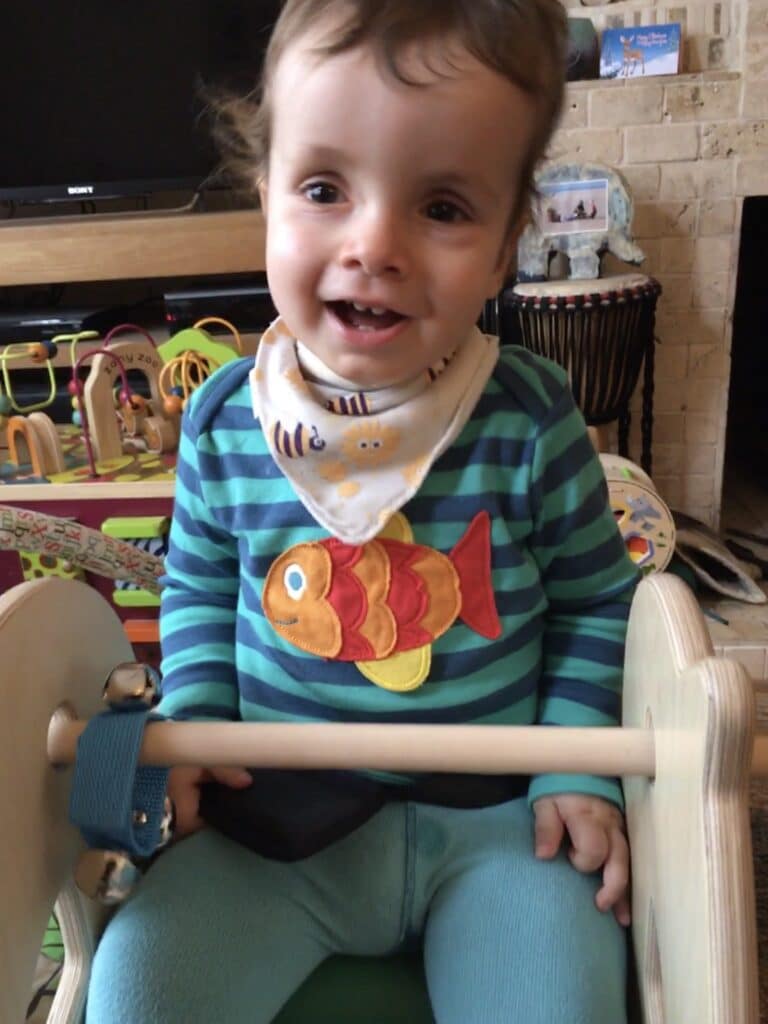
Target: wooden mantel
105	248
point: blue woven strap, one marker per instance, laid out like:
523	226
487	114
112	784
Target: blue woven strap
117	804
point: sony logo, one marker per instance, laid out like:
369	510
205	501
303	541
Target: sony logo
80	190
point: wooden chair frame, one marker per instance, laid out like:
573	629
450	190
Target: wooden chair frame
693	893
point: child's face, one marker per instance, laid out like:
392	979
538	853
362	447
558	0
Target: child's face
393	198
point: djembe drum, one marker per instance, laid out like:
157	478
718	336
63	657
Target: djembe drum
602	332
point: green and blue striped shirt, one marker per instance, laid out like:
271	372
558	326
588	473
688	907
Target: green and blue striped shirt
561	577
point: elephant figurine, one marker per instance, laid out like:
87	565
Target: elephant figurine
584	210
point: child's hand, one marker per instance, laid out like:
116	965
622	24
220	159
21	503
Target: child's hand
184	789
596	831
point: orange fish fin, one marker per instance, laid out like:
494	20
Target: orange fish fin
472	560
400	672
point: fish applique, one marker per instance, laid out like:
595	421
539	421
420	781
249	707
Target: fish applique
381	604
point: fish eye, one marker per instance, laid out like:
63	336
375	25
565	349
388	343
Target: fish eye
295	581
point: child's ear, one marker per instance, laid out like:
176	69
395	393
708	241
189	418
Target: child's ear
507	263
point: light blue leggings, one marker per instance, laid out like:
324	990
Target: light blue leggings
215	933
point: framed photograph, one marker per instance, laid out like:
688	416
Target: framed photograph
569	207
640	51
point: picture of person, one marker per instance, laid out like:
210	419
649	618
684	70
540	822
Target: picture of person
568	207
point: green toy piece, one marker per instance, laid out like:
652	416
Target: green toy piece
195	339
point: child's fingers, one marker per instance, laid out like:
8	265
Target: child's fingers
184	789
613	892
237	778
622	911
590	845
186	800
548	828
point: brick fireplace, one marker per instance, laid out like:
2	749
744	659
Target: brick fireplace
691	147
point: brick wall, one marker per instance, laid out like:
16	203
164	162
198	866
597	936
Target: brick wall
690	147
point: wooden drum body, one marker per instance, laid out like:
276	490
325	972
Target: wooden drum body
601	331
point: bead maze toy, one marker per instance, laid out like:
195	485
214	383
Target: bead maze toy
59	469
190	357
686	750
103	430
31	434
114	418
41	353
195	339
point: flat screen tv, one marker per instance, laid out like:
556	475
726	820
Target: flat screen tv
102	98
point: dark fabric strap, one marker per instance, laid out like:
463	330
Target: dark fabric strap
289	815
116	804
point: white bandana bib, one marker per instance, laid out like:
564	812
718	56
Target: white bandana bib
355	457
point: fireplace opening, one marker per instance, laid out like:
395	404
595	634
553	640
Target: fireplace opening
745	476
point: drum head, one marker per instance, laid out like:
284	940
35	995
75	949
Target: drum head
581	286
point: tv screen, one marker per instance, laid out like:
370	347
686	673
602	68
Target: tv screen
103	97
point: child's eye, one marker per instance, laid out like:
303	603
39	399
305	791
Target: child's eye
446	211
321	192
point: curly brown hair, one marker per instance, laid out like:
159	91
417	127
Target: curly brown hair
522	40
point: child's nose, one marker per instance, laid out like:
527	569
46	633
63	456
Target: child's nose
376	245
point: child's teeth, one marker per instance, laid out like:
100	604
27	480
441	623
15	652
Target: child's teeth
376	310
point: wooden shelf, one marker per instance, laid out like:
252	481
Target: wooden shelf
121	247
24	494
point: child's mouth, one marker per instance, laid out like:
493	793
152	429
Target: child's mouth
365	318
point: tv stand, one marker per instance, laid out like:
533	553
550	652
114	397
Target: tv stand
107	248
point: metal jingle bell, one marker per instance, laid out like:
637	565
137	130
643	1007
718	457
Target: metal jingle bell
132	681
108	876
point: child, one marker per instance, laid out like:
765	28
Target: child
387	519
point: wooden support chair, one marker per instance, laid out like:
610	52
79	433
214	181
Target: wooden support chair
693	905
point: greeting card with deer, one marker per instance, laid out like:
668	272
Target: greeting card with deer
640	50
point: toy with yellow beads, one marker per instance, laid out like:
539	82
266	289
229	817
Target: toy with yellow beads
41	353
